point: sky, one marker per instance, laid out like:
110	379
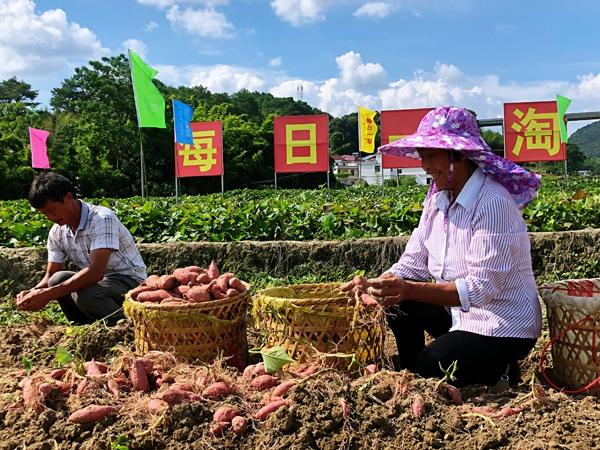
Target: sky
344	53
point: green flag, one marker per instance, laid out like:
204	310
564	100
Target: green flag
149	103
562	104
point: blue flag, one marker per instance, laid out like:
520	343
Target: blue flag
182	115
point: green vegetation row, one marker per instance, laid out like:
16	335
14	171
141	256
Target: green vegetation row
323	214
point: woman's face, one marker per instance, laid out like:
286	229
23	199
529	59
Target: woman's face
436	163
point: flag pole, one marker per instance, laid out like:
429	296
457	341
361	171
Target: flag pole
142	165
175	154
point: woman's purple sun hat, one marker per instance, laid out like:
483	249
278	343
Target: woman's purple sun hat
451	128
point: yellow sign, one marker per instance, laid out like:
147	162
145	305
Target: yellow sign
367	128
291	143
539	131
202	153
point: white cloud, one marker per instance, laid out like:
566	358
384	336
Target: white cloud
275	62
167	3
218	78
300	12
201	22
137	46
150	26
33	43
355	74
374	10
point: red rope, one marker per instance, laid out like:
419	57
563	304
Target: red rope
549	345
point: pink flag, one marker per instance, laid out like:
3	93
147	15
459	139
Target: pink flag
39	155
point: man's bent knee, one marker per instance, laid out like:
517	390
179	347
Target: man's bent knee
60	277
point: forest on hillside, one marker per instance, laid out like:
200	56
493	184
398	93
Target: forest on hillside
96	142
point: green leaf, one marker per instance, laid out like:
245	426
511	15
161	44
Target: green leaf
62	356
27	364
275	358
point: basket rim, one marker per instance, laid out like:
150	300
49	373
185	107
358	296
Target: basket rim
266	294
185	305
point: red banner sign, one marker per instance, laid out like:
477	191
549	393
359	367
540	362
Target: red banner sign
396	124
301	143
205	157
531	132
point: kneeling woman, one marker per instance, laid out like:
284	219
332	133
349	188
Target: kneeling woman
482	309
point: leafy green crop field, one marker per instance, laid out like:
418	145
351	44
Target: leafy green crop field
323	214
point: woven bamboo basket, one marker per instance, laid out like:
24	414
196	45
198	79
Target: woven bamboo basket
193	330
573	308
311	319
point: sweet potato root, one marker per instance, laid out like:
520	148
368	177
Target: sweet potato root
266	410
263	382
166	282
239	425
92	413
217	390
153	296
283	388
225	413
139	379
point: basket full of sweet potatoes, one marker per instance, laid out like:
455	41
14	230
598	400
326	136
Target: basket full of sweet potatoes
195	313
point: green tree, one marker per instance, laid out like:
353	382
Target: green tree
15	91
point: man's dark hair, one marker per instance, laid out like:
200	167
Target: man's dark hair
49	186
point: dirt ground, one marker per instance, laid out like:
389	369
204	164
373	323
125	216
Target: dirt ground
326	410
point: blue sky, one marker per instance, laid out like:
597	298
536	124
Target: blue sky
379	54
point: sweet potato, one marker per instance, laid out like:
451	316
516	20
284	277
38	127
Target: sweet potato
183	386
248	371
367	300
239	425
63	388
217	390
152	281
223	281
266	410
113	387
453	393
148	365
31	396
139	379
418	405
57	374
218	429
203	278
283	388
237	284
263	382
91	413
225	413
345	408
167	282
45	389
94	367
508	411
182	290
232	292
184	276
217	293
157	406
134	293
153	296
83	386
199	294
213	270
175	396
371	369
259	369
196	269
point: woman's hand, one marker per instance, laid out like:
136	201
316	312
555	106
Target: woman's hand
387	289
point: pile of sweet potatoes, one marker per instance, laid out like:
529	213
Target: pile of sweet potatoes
191	284
155	383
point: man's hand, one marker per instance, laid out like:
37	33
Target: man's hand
33	300
387	289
